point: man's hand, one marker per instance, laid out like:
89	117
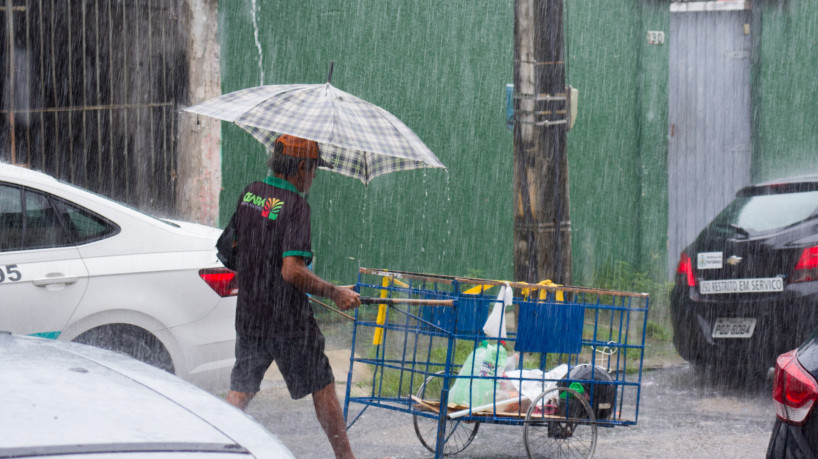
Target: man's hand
345	298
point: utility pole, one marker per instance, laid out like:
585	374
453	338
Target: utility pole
542	225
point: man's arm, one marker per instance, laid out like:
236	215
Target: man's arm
296	273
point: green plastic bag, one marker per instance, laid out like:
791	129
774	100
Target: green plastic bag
482	363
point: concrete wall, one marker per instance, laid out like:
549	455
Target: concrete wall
199	149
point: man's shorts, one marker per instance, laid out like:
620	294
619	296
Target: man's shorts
300	360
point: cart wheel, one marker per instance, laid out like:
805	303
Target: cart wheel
560	423
459	433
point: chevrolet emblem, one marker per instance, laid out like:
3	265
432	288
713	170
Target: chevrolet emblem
733	260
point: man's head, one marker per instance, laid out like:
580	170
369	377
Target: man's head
295	159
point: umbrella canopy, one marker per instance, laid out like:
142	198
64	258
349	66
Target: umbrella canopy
359	139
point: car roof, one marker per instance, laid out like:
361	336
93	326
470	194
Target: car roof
24	172
786	185
806	178
69	398
105	205
41	180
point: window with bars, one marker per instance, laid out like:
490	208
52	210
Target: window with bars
90	94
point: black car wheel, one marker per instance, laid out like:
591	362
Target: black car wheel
133	341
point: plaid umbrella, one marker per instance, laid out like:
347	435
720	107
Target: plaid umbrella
359	139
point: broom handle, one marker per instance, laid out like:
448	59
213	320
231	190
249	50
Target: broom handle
331	308
373	300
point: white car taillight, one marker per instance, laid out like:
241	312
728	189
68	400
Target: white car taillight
794	390
223	281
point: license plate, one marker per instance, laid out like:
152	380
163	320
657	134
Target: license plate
714	287
734	327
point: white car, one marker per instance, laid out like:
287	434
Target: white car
75	266
72	400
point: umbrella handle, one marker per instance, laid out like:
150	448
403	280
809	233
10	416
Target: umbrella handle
329	77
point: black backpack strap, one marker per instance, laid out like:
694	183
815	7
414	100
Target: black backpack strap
227	245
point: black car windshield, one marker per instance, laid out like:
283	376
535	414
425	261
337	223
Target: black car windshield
762	213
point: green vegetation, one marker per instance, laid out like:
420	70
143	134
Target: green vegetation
656	332
391	380
624	277
659	330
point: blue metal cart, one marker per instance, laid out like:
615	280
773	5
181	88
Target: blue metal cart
580	353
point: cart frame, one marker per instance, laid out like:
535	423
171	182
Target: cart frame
414	347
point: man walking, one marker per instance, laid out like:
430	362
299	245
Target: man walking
274	320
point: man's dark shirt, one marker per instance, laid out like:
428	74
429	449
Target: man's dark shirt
272	222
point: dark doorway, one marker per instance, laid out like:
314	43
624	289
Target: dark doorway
90	90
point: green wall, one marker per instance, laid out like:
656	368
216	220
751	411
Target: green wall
651	163
784	88
442	67
618	147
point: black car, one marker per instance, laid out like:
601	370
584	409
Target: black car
747	287
795	389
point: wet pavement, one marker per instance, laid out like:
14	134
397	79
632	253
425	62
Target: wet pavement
682	415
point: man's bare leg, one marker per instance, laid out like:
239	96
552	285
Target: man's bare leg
240	399
331	418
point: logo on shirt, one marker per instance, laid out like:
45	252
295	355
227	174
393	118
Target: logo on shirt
269	207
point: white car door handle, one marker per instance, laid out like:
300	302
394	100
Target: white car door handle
57	279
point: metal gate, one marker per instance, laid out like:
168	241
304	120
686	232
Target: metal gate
89	94
709	148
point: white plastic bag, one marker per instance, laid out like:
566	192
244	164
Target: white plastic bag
511	362
495	326
534	381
